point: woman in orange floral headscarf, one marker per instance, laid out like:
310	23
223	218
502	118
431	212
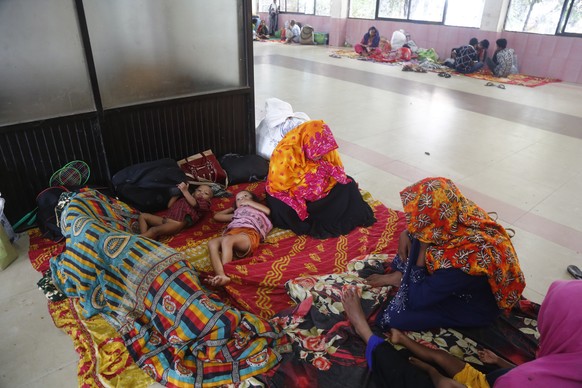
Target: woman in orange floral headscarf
462	269
308	189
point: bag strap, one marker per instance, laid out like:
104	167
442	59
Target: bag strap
29	218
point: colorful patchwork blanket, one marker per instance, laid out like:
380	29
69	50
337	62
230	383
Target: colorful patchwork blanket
174	329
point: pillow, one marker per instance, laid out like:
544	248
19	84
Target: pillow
244	168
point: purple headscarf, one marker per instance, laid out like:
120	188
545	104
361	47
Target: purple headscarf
559	358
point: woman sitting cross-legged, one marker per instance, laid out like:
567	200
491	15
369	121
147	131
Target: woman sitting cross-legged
370	43
456	266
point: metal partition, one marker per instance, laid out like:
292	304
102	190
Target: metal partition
138	80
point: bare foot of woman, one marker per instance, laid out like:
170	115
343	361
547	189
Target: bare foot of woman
353	308
389	279
397	337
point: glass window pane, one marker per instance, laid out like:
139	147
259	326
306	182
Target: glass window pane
574	25
309	7
427	10
43	72
264	5
363	9
393	9
464	13
291	5
148	50
535	16
301	6
323	7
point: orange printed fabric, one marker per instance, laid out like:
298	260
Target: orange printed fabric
305	166
463	236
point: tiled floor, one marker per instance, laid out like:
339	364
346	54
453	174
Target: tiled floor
515	151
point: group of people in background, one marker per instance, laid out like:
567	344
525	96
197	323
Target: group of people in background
292	30
472	57
464	59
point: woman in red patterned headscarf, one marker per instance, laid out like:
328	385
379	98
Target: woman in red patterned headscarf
308	189
462	269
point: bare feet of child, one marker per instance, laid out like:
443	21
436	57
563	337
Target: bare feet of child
353	308
389	279
218	280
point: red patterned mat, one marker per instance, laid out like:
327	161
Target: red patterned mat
513	79
258	282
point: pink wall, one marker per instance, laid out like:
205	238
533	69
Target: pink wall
539	55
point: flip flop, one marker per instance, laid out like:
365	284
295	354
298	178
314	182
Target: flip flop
489	84
575	272
500	86
444	74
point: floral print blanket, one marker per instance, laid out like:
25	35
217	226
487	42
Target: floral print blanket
326	351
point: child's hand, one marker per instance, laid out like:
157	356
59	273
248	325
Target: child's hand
487	356
183	186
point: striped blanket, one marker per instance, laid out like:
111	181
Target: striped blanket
175	330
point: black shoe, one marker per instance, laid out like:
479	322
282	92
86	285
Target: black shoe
575	271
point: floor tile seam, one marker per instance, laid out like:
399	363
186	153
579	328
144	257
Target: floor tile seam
511	111
567	237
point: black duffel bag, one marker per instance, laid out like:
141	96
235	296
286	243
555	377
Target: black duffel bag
148	186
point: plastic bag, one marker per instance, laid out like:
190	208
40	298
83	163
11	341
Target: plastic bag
398	39
278	120
5	223
7	251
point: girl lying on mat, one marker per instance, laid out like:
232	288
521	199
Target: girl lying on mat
175	330
455	267
249	225
183	211
308	190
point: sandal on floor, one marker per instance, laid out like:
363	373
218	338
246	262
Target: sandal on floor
575	271
489	84
444	74
500	86
406	68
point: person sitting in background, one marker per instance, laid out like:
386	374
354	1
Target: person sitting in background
482	50
451	60
502	60
465	59
262	30
369	43
292	33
